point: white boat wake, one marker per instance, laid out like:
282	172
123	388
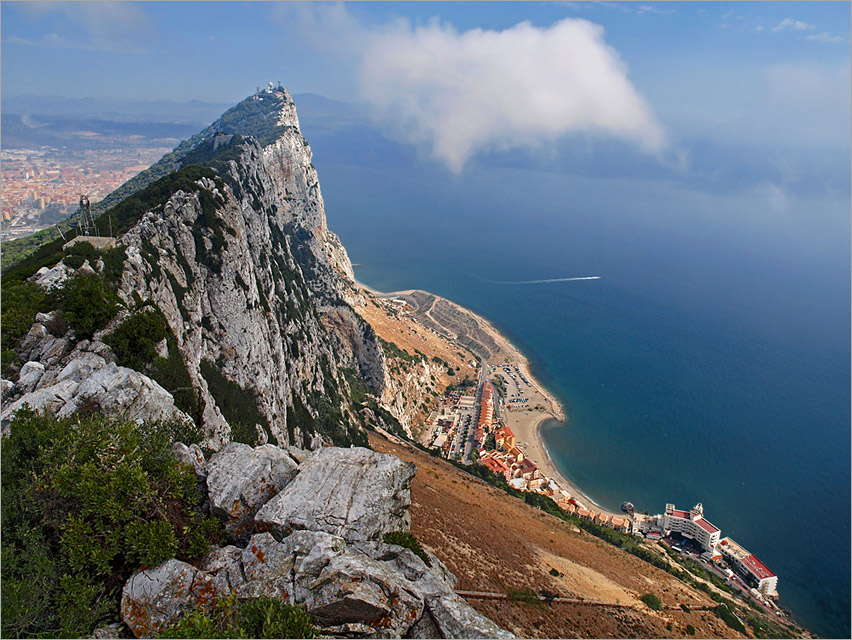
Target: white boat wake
543	281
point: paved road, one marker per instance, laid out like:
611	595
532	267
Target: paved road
468	448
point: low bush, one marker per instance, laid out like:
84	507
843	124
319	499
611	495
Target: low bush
238	405
729	618
525	596
255	618
135	346
21	302
86	501
406	539
652	601
88	305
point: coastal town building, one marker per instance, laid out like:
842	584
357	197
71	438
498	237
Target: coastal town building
750	567
691	524
505	439
486	407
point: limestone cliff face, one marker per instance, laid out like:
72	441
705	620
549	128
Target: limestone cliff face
253	282
233	247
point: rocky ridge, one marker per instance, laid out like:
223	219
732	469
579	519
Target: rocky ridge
317	542
254	287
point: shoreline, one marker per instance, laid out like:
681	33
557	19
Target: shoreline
527	428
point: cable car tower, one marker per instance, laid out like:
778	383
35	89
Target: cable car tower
87	222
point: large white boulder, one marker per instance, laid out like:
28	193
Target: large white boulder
355	493
30	375
156	598
241	479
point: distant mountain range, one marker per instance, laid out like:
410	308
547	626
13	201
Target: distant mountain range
114	110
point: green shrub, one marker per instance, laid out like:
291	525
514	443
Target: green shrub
88	305
690	630
652	601
525	595
406	539
554	572
135	346
729	618
21	302
86	501
135	341
255	618
238	405
244	433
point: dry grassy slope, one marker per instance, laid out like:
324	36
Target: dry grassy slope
411	378
495	543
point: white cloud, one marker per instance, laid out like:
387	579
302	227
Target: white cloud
796	25
461	93
758	28
827	38
98	26
647	8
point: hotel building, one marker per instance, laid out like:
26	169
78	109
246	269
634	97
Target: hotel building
752	569
691	525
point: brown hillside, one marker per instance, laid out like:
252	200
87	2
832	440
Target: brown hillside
496	543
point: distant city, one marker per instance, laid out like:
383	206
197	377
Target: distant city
41	186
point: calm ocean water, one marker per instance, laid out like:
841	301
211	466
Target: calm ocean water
709	363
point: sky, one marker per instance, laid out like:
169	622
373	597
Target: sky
752	92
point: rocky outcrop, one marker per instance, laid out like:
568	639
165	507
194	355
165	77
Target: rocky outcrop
355	493
156	598
193	456
241	479
83	378
386	592
54	277
333	564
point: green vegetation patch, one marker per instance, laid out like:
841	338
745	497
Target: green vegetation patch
135	346
86	501
359	392
88	305
238	405
393	350
652	601
729	618
262	617
21	302
406	539
525	596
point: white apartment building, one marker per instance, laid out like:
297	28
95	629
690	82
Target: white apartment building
692	525
748	565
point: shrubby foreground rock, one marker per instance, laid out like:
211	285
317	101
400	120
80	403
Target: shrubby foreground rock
327	557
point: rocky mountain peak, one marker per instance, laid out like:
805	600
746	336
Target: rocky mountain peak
232	248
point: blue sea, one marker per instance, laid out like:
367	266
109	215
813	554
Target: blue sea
709	363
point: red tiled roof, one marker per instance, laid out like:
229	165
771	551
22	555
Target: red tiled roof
495	465
677	513
528	465
709	528
756	567
504	432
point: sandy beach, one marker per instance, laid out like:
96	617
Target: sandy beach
525	422
526	426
